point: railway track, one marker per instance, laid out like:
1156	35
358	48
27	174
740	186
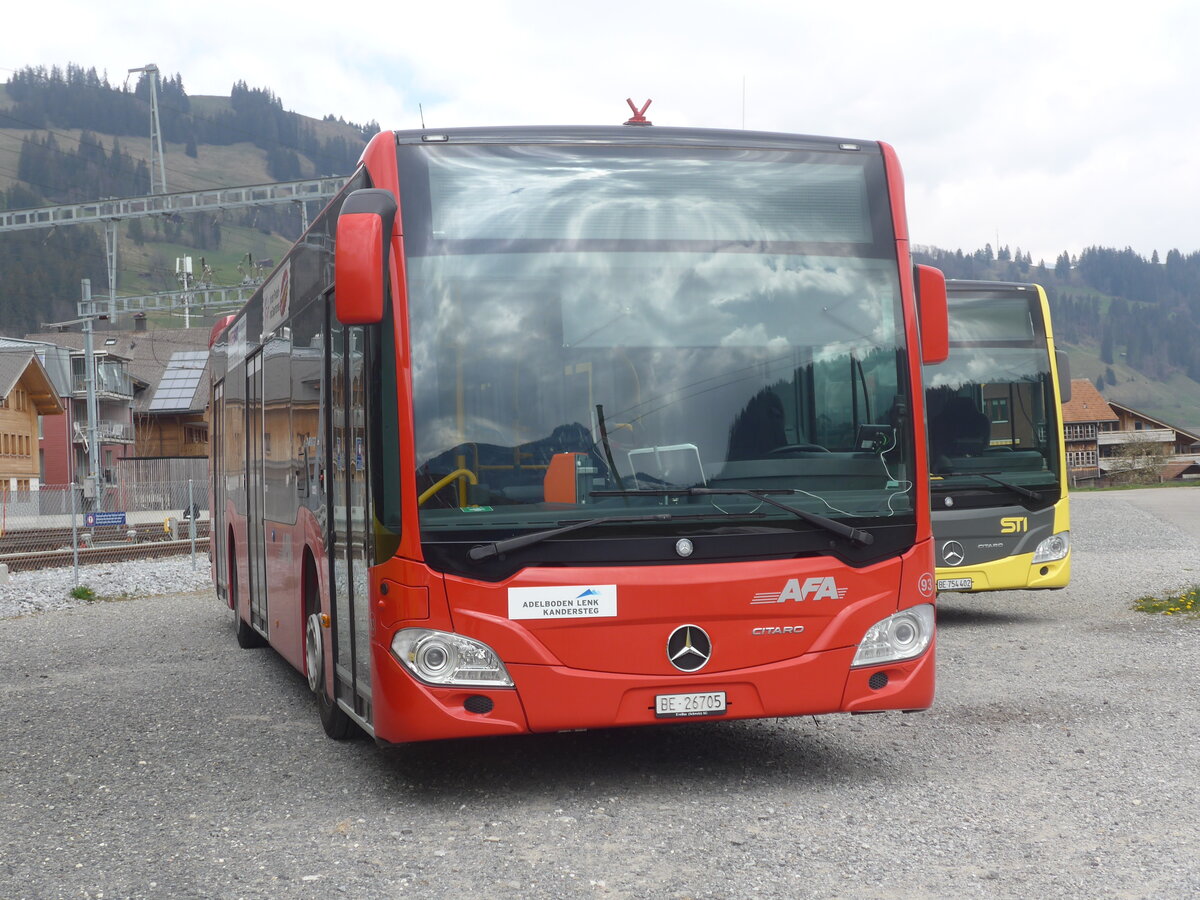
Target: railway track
49	559
50	547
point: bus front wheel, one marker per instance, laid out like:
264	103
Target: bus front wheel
334	720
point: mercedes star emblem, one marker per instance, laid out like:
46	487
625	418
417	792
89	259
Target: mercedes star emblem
688	648
684	547
952	553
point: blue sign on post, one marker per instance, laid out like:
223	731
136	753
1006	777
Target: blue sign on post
100	519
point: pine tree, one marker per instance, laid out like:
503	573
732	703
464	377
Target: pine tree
1062	266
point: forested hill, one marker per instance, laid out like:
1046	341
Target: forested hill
74	98
69	135
1130	324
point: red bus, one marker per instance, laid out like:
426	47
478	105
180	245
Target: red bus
548	429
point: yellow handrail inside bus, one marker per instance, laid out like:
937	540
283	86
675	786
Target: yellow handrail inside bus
445	480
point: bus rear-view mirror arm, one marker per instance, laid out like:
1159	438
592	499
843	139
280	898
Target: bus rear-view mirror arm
364	231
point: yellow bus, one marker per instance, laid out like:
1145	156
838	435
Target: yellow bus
998	484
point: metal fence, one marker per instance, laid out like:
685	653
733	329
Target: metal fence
138	469
61	525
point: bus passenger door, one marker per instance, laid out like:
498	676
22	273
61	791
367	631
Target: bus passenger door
255	549
216	514
349	543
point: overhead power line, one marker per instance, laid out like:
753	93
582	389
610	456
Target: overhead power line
110	213
208	200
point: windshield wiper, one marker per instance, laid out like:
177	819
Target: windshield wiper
1015	488
487	551
832	525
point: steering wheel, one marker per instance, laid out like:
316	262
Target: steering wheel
797	448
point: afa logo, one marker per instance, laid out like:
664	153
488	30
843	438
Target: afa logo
1014	525
818	587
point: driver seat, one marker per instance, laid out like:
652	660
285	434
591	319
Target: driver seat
960	429
758	428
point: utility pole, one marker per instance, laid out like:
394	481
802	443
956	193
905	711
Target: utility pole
89	369
155	129
183	271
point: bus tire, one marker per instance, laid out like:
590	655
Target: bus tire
334	720
247	637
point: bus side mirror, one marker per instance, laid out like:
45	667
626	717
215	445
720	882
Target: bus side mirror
931	307
364	231
1063	363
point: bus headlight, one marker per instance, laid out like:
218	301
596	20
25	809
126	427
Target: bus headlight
444	658
1054	547
904	635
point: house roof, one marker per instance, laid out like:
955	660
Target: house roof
22	366
1129	410
149	354
1086	404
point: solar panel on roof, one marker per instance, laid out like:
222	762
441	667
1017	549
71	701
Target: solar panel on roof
177	387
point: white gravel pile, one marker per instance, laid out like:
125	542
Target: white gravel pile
43	589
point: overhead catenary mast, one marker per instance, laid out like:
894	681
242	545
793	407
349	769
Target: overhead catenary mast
156	142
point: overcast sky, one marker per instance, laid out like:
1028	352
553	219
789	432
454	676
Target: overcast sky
1048	126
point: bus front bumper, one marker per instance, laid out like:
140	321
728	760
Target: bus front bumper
1018	573
556	698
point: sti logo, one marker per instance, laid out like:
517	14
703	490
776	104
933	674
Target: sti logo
818	587
1014	525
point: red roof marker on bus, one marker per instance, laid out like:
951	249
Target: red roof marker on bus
639	115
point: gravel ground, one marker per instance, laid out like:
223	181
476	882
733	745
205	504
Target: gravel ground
46	589
146	756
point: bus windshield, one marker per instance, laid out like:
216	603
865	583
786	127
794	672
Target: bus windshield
595	326
991	404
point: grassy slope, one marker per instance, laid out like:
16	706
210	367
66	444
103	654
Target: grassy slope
214	166
1176	402
151	267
